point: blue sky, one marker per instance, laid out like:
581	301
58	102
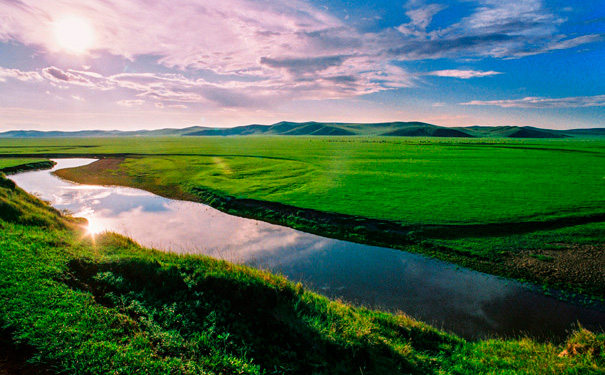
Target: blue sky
134	64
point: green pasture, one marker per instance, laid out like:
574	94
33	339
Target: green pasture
14	162
408	180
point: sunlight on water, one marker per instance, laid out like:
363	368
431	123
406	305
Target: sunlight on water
94	227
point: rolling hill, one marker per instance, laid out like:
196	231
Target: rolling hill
312	128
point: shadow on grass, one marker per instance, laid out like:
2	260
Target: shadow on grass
277	327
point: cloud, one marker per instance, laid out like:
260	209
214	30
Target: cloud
72	77
420	16
19	75
494	28
462	74
537	102
258	52
304	65
131	103
223	36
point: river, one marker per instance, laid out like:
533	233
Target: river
468	303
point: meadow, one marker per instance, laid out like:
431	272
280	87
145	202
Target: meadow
411	181
528	209
73	303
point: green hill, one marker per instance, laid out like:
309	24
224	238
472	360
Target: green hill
312	128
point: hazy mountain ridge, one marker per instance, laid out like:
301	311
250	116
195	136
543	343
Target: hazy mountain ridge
312	128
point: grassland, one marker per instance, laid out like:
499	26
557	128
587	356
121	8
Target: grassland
81	306
528	209
14	165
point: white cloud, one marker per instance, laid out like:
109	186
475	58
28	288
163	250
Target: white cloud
19	75
131	103
494	28
463	74
537	102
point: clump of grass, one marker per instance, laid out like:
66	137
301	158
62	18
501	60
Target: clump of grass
544	258
584	343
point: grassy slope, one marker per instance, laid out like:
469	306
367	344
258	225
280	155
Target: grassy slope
11	165
109	306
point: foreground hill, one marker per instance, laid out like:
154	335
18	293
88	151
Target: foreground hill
74	305
396	129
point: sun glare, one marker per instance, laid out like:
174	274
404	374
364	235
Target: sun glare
73	34
94	228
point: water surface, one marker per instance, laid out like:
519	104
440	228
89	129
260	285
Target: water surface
469	303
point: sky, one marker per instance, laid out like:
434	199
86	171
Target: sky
140	64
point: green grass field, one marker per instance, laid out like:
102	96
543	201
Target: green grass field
502	206
405	180
15	162
109	306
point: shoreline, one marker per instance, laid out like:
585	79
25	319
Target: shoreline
40	165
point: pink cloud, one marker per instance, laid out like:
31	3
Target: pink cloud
224	36
131	103
276	42
19	75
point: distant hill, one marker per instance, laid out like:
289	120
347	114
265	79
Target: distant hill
515	132
391	129
587	132
408	129
97	133
428	131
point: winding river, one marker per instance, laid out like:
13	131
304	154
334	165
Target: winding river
468	303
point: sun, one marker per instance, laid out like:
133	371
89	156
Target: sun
73	34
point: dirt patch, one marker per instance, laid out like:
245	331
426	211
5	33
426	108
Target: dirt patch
571	264
13	359
93	176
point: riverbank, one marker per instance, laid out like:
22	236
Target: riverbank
514	250
11	166
109	306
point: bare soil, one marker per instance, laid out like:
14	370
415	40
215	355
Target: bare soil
13	359
582	264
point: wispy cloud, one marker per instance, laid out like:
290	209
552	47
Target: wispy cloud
536	102
158	87
421	16
463	74
19	75
131	103
500	29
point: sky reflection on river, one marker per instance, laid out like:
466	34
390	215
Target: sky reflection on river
469	303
